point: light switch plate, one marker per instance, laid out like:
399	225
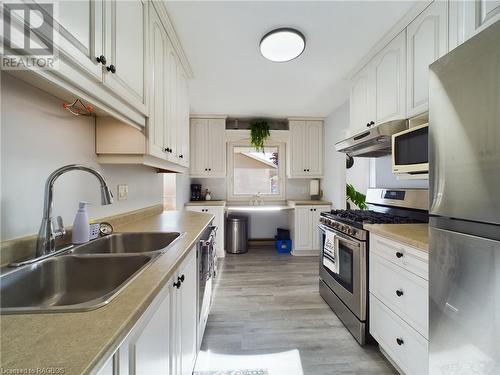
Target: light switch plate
122	192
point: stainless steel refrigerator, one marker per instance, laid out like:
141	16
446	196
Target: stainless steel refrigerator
464	160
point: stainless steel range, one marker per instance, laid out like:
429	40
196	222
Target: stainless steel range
343	271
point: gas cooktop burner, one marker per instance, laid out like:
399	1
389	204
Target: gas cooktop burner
371	217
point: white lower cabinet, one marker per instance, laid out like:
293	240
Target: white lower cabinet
407	349
219	221
303	223
399	307
164	340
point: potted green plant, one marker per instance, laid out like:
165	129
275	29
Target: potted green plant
259	132
355	197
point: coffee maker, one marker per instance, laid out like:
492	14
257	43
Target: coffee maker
196	192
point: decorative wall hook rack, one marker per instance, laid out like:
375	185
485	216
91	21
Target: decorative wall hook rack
78	108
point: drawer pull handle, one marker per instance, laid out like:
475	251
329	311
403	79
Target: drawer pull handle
400	341
399	292
399	254
177	284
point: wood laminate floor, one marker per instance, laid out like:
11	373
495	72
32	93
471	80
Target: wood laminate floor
268	303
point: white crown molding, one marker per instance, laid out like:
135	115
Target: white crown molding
172	34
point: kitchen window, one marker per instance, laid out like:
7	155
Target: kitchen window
255	172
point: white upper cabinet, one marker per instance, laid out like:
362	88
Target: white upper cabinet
427	40
378	91
362	105
297	153
125	50
79	29
306	149
390	80
467	17
208	148
158	85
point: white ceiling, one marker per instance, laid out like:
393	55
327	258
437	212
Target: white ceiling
221	40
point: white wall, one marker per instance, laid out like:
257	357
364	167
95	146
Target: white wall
384	178
38	136
333	183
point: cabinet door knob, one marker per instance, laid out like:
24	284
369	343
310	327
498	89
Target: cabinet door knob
304	170
210	169
177	284
181	156
399	254
399	292
400	341
111	68
181	278
101	59
308	170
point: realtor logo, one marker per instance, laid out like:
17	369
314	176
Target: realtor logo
28	36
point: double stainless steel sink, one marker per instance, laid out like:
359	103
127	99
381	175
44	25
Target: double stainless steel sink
85	277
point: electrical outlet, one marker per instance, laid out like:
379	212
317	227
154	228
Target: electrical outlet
122	192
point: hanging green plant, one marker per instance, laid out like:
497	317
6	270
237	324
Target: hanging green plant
356	197
259	132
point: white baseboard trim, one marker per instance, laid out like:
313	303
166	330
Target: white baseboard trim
305	253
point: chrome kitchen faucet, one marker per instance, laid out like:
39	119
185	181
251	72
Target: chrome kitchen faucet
48	234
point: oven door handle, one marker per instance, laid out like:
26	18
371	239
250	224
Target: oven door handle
338	236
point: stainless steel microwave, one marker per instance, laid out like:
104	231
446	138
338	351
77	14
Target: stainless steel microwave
410	151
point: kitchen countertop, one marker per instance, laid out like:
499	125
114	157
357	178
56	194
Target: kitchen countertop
309	203
206	203
78	342
415	235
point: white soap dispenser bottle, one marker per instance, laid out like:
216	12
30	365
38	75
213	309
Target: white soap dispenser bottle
81	226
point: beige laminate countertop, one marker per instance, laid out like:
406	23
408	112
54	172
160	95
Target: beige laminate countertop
415	235
206	203
78	342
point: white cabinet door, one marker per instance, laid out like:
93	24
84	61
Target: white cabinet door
189	317
305	155
297	151
157	125
172	108
147	348
467	17
427	40
199	148
362	98
317	210
125	46
390	80
78	26
216	147
183	124
303	233
314	150
488	11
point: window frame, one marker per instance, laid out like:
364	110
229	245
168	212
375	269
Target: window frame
281	173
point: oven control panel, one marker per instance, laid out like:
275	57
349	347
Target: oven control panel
343	228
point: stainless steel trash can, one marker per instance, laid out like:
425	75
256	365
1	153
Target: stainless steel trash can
237	235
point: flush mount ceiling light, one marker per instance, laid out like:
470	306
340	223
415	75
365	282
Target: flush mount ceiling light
283	44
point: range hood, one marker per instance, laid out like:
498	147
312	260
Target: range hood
374	141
